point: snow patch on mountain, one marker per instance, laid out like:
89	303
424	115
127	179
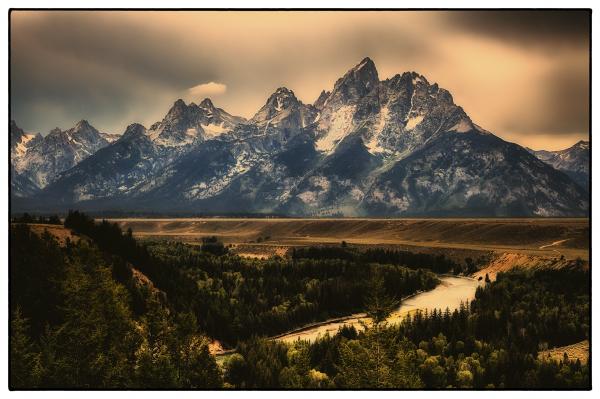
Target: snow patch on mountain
22	145
413	121
337	128
213	130
462	127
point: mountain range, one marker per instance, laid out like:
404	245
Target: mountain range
574	161
368	147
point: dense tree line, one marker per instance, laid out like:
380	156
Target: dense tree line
237	297
234	298
436	263
81	317
493	343
72	325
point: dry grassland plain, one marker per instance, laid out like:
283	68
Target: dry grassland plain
263	237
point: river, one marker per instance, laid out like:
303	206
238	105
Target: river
448	294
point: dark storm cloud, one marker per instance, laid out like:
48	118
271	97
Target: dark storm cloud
115	68
567	97
528	27
108	39
564	99
67	66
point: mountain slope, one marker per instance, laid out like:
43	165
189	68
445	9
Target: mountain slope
473	174
112	172
20	142
42	159
574	161
185	124
396	147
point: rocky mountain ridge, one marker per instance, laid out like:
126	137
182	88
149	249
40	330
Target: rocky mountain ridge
394	147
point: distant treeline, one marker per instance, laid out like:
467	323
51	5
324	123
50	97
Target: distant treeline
27	218
436	263
108	214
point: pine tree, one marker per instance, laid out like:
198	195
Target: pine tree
24	360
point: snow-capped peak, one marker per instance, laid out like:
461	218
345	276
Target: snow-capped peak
284	110
42	159
282	99
396	147
189	124
207	105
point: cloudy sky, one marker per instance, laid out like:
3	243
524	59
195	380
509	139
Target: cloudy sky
522	75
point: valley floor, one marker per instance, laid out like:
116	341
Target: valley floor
495	245
548	241
504	244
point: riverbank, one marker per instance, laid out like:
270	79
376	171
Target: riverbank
450	293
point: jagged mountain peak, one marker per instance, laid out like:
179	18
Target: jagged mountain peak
15	132
191	123
392	116
83	124
368	147
178	108
21	141
320	101
283	91
574	161
83	130
416	78
42	159
282	101
14	127
366	65
282	98
364	71
411	80
208	105
358	82
133	130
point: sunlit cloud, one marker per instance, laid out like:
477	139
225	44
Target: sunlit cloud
210	89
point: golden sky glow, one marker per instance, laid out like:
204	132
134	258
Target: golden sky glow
523	77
